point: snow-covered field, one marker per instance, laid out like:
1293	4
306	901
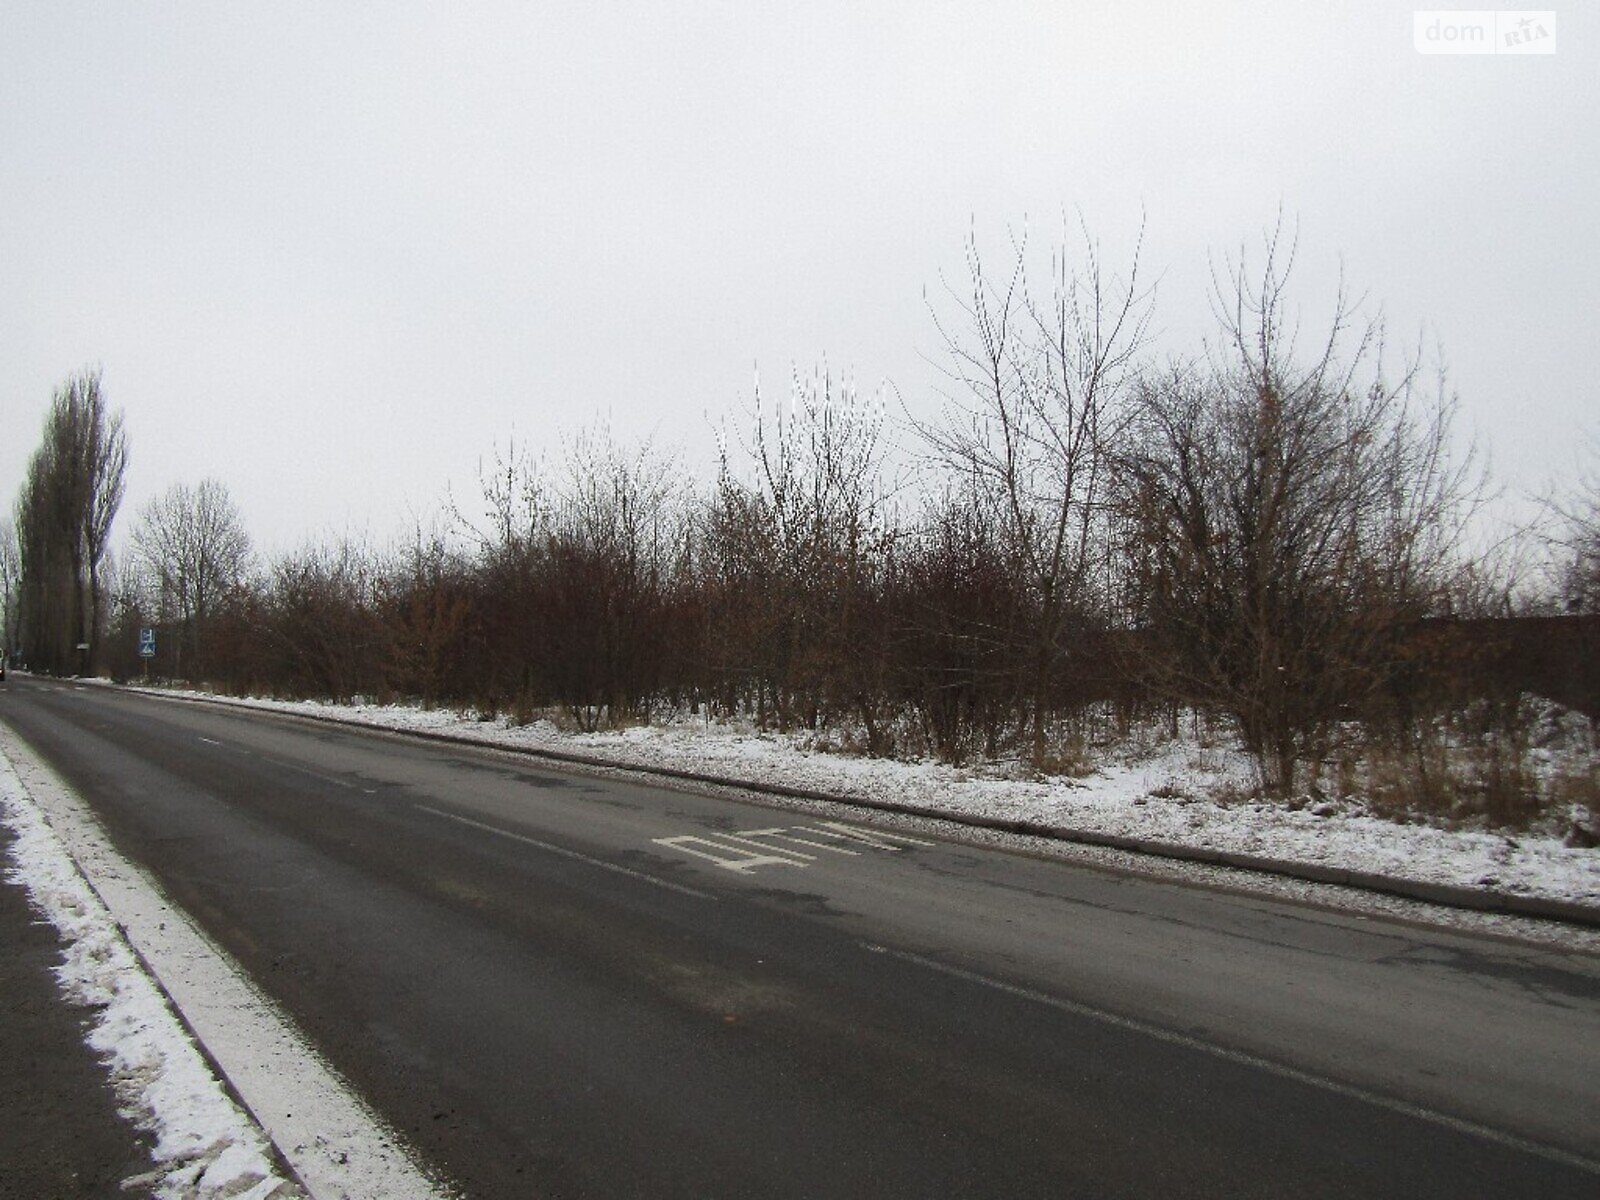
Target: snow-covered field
1165	793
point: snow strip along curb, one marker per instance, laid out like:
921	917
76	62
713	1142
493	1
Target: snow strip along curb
336	1146
1448	895
204	1145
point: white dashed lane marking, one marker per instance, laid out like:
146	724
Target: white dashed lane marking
551	848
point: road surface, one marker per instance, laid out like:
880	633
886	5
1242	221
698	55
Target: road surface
563	984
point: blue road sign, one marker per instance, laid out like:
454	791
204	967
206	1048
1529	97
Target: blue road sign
147	642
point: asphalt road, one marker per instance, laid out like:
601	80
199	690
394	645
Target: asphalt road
560	984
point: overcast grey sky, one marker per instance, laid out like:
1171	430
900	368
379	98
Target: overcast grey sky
334	253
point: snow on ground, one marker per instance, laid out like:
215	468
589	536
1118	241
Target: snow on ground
205	1146
1166	795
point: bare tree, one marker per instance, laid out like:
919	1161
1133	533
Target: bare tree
617	531
1041	392
104	449
795	543
10	587
516	506
194	547
1576	539
1289	520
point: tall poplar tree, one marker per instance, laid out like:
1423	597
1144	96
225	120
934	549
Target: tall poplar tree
63	521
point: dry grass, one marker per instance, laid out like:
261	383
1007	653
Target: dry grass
1070	756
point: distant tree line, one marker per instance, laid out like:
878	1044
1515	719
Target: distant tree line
1258	536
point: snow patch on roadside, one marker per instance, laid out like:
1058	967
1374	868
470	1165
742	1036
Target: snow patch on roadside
1165	795
205	1146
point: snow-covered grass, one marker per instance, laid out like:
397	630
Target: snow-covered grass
1175	791
205	1146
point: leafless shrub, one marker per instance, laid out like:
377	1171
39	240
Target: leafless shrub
794	553
425	602
959	610
614	551
319	619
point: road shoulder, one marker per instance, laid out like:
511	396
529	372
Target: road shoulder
145	963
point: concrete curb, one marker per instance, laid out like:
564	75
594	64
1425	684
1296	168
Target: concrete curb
1449	895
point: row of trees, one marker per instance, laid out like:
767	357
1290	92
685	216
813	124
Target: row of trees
53	556
1256	533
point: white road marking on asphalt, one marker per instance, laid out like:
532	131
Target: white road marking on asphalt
1243	1058
730	858
878	839
731	851
338	1146
290	765
752	837
783	835
566	853
210	741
